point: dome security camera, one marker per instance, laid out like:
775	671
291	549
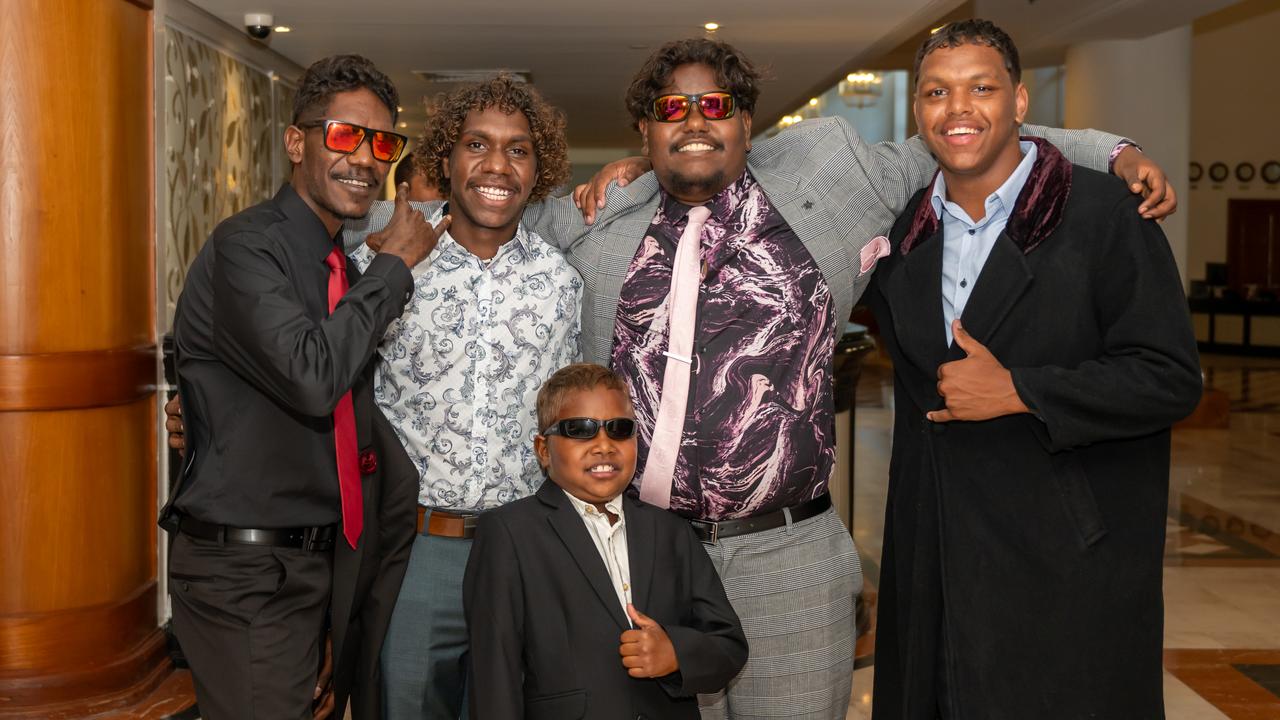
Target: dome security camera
258	25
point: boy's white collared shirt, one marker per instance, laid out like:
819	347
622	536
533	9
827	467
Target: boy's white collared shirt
611	542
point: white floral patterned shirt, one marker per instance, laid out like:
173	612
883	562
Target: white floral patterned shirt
458	374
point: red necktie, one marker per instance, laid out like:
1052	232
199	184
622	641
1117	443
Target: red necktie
344	423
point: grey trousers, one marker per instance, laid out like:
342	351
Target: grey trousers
424	656
794	589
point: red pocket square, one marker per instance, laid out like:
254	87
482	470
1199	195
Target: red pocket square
873	251
368	462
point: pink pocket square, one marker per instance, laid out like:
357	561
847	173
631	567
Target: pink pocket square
873	251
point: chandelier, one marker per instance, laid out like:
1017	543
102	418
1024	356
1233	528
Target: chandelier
860	89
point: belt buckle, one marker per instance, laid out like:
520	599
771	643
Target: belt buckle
309	542
715	529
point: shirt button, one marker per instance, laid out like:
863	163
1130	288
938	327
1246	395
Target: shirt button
964	283
972	232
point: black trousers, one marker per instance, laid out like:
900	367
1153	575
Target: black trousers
250	620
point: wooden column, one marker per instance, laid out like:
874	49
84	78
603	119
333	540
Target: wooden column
78	619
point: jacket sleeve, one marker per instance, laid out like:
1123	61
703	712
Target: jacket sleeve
1088	148
493	600
1146	375
557	220
710	646
262	331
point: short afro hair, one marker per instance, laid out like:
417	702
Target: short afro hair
337	74
974	31
572	378
734	72
449	112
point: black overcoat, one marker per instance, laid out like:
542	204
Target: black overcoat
1022	556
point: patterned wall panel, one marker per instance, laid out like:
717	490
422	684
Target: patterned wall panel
220	137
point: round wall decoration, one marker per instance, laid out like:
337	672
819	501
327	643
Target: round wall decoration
1196	172
1271	172
1245	172
1218	172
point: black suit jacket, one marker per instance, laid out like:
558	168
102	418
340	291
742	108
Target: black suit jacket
262	363
545	621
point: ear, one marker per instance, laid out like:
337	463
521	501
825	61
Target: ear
1021	102
746	127
542	450
644	136
295	141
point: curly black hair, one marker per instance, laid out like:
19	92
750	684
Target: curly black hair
341	73
449	112
734	72
973	31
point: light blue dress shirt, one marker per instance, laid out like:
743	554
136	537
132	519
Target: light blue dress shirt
966	243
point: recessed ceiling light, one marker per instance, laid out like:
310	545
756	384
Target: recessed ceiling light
404	124
283	29
399	109
711	26
813	102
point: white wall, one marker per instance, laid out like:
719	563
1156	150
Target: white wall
1139	89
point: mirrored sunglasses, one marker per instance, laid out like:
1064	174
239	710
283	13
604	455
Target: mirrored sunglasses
716	105
346	138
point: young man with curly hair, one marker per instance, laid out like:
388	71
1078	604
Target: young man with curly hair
494	312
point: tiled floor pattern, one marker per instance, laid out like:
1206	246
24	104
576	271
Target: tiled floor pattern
1222	553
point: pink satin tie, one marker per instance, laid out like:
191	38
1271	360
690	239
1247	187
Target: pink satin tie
682	312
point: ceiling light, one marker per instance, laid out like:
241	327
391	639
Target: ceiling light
399	108
711	26
404	124
283	29
860	89
813	102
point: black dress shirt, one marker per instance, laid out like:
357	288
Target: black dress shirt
262	364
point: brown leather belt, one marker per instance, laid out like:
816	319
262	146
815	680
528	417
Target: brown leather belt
711	532
447	524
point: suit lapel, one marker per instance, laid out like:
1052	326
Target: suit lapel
1004	278
641	531
568	525
805	210
913	288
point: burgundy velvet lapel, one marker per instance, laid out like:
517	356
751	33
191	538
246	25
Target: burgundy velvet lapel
1036	214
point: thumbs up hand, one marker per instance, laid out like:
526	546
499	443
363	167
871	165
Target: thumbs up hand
646	650
977	387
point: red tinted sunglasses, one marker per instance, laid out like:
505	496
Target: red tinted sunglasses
716	105
346	138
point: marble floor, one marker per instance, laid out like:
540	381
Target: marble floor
1222	554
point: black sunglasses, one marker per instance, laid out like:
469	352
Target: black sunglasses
346	138
587	428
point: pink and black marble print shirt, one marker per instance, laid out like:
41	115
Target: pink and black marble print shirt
758	434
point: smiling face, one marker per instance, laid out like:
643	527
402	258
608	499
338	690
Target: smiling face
337	186
596	470
696	158
968	110
491	169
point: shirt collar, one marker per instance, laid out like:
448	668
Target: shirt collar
614	506
1006	195
722	204
313	235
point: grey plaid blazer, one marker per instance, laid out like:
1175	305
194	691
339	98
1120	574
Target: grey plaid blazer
836	191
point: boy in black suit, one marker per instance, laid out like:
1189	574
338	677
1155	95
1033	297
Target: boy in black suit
583	602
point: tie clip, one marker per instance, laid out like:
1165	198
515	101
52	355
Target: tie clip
686	359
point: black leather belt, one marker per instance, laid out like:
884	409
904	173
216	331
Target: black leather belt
319	539
709	531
